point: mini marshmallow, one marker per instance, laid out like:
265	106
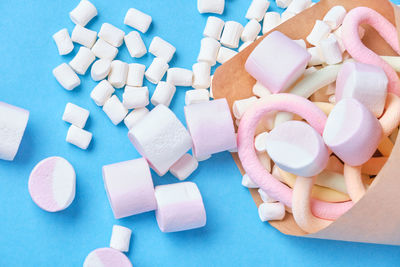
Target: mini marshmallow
257	10
209	50
260	91
240	106
120	238
138	20
213	28
335	17
265	197
271	20
316	57
82	60
162	49
135	97
135	44
111	34
251	31
115	110
75	115
135	74
100	69
106	257
118	73
78	137
211	6
225	54
52	184
83	13
180	77
102	49
301	43
179	207
244	45
297	6
271	211
196	96
83	36
13	121
320	31
156	70
231	34
63	42
129	187
283	3
247	182
201	75
260	142
161	138
330	50
184	167
66	76
102	92
163	94
286	15
135	116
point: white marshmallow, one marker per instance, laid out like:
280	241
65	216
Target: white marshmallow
135	44
213	27
83	36
225	54
162	49
244	45
83	13
211	6
247	182
102	92
196	96
156	70
135	74
257	9
115	110
251	31
260	91
301	43
271	20
316	57
111	34
118	73
184	167
82	60
63	42
265	197
180	77
75	115
78	137
209	50
102	49
120	238
240	106
335	17
201	75
231	34
297	6
260	142
163	94
283	3
330	50
286	15
320	31
100	69
135	97
271	211
66	77
134	117
138	20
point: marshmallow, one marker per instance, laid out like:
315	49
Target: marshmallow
180	77
156	70
257	10
163	94
129	187
106	257
283	3
250	31
211	6
102	92
75	115
265	197
213	28
111	34
100	69
120	238
63	42
209	50
260	91
52	184
83	36
244	45
335	17
102	49
135	74
231	34
138	20
196	96
82	60
277	75
271	211
135	44
13	121
83	13
179	207
162	49
115	110
66	77
134	117
310	70
271	20
184	167
135	97
247	182
330	50
301	43
211	91
78	137
297	6
366	83
239	107
161	138
260	142
201	75
316	57
118	73
225	54
352	132
320	31
220	134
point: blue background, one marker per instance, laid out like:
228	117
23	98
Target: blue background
29	236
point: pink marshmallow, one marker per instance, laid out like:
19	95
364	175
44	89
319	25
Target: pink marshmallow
106	257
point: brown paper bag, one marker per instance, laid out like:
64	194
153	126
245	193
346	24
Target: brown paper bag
376	217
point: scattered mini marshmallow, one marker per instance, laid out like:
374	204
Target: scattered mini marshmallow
257	10
52	184
260	141
330	50
316	56
240	106
156	70
163	94
135	44
102	49
129	187
84	12
271	20
184	167
106	257
320	31
102	92
111	34
82	60
201	75
120	238
335	17
83	36
286	15
13	121
297	6
118	73
161	138
179	207
231	34
66	76
208	51
283	3
100	69
138	20
180	77
196	96
260	90
63	42
135	97
135	116
78	137
271	211
135	74
244	45
247	182
115	110
301	43
213	28
211	6
265	197
162	49
225	54
75	115
250	31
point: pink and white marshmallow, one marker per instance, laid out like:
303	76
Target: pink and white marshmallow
104	257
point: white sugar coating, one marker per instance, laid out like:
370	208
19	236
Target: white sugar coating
135	74
102	92
100	69
213	28
102	49
64	183
78	137
163	94
180	77
135	116
82	60
75	115
162	49
208	51
138	20
83	36
83	13
115	110
63	42
111	34
135	44
66	76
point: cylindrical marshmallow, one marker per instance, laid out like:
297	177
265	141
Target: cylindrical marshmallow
163	94
135	116
78	137
52	184
82	60
120	238
316	56
83	36
135	44
179	207
330	50
138	20
213	27
201	75
257	9
240	106
225	54
320	31
83	13
111	34
209	50
156	70
180	77
250	31
118	73
247	182
102	92
271	211
102	49
335	17
100	69
63	42
231	34
196	96
271	20
260	141
75	115
102	257
115	110
66	76
260	90
283	3
135	74
162	49
135	97
211	6
184	167
297	6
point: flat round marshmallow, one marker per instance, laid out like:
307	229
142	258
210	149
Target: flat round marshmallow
100	69
106	257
